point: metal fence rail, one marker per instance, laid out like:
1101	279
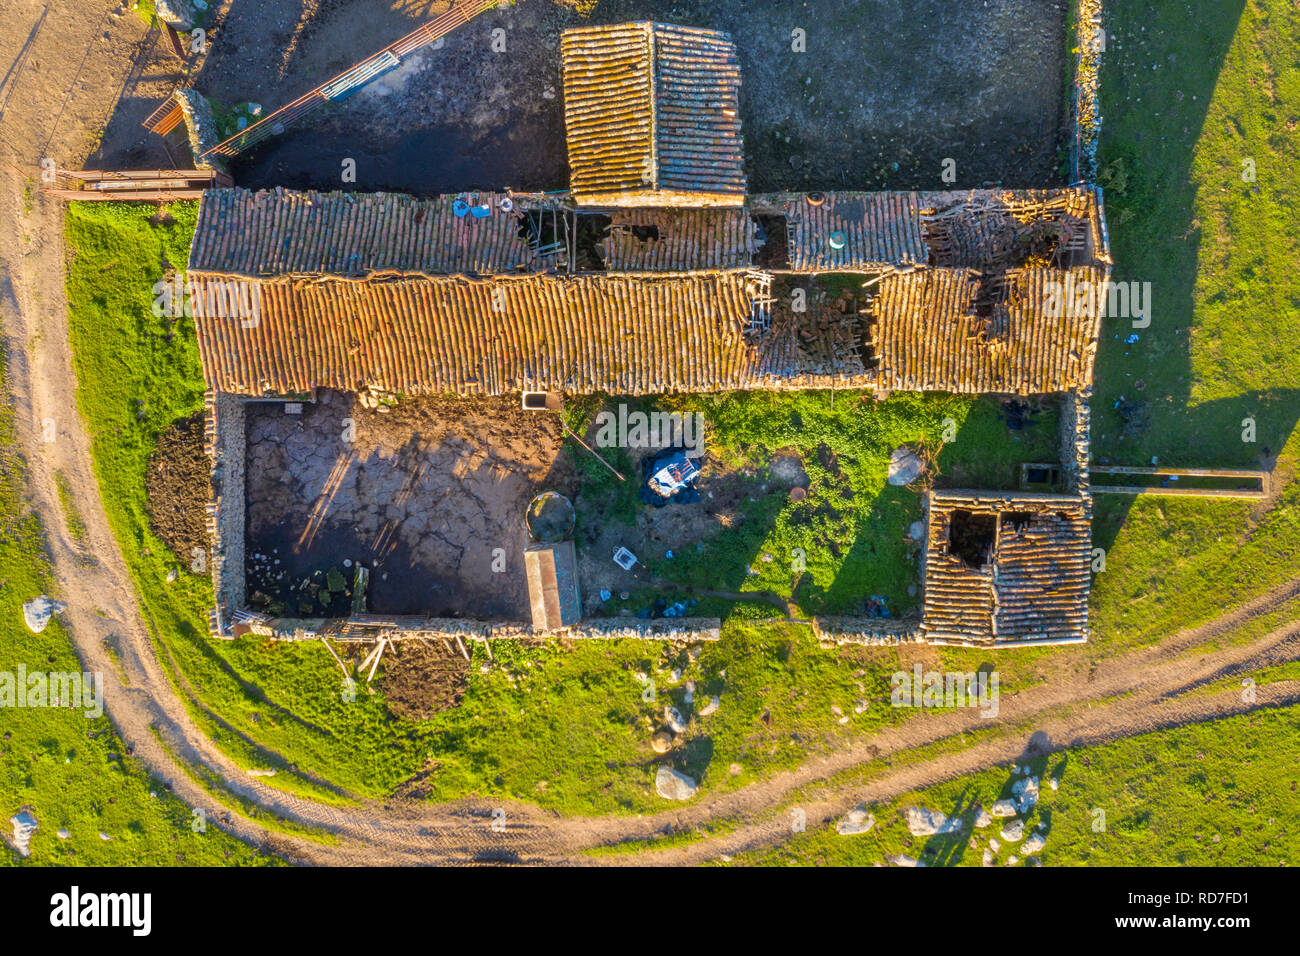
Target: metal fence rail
350	79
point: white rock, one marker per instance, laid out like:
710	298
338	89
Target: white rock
983	819
854	822
38	611
104	836
994	845
916	530
904	860
988	857
1054	783
1035	843
672	785
1012	860
64	834
1026	793
1003	808
929	822
673	718
905	466
709	708
24	825
1014	831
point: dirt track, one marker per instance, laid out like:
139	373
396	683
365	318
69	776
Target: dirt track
1127	694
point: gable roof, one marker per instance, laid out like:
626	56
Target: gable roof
652	113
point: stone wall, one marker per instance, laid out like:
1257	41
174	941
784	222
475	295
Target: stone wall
227	510
1090	41
1076	423
664	629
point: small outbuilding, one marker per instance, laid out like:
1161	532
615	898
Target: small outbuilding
652	114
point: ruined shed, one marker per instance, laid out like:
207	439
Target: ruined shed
1006	568
652	114
552	572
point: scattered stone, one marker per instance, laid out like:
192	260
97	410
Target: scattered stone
916	530
1053	783
63	834
1012	860
1026	793
903	859
709	708
672	785
994	845
856	821
983	818
1014	831
673	717
1003	808
860	707
38	611
905	466
24	825
929	822
104	836
662	741
172	575
1035	843
988	857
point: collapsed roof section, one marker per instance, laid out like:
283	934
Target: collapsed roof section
652	113
985	229
1007	568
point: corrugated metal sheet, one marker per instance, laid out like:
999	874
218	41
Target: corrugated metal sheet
280	231
652	114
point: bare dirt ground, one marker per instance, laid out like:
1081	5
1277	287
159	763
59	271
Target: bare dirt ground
1087	700
430	494
878	97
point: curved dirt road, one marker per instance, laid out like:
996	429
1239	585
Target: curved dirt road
1127	694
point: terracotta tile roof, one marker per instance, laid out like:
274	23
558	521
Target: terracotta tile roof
954	330
986	229
687	240
626	334
1033	585
280	231
652	113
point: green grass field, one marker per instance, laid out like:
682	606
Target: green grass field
70	770
1222	793
1189	93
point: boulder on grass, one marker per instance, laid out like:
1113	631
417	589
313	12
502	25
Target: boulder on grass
672	785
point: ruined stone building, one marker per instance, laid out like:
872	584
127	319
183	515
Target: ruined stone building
655	274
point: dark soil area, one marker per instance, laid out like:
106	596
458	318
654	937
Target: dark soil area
429	494
420	678
178	486
880	96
